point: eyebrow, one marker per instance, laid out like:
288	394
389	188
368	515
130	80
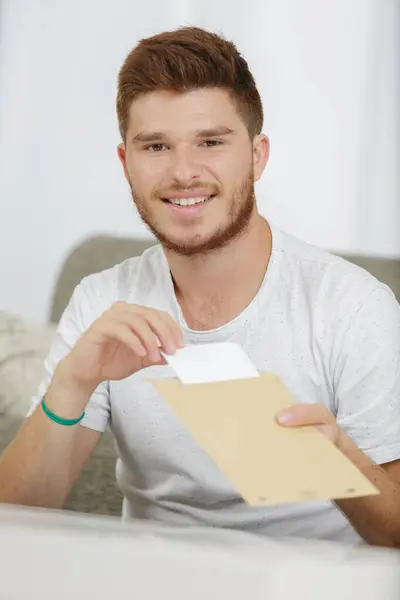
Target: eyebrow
154	136
214	132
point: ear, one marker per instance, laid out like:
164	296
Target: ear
121	151
260	155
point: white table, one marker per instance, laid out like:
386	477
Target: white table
58	555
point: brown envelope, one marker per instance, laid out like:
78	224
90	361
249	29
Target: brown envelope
235	422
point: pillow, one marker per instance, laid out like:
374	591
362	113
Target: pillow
23	348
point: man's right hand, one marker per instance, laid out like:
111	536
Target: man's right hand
119	343
42	464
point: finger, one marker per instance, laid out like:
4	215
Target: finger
175	328
141	328
124	335
121	316
304	414
146	362
164	327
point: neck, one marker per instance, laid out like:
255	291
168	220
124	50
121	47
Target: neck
212	289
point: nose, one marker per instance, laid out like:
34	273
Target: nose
184	167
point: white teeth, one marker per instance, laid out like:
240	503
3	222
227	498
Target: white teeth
188	201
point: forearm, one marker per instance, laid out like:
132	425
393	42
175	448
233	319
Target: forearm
376	518
35	469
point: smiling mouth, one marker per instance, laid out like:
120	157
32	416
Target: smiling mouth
188	201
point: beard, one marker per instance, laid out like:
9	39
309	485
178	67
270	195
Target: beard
241	209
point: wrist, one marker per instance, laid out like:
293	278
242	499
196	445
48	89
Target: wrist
346	445
353	453
67	396
66	378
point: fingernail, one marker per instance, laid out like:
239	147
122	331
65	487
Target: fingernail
284	418
179	343
171	348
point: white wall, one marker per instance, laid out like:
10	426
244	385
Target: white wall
327	73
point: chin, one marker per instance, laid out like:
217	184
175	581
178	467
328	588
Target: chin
185	246
197	240
193	245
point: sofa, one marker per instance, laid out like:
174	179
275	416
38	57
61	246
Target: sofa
24	346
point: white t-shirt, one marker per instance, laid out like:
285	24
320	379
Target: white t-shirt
328	328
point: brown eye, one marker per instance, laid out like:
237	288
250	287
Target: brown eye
211	143
155	147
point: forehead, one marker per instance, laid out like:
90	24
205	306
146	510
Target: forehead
183	112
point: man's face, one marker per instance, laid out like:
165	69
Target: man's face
191	167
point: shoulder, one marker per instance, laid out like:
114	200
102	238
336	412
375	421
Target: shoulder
327	279
98	291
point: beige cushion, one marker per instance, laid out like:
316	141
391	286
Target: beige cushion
23	348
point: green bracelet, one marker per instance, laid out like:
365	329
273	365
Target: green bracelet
60	420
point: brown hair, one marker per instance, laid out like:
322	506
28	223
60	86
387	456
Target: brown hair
186	59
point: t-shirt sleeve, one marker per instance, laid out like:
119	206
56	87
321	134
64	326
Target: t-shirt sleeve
367	377
76	318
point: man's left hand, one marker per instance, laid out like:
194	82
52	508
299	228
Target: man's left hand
317	415
376	517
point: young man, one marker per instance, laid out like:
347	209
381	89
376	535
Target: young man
191	118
